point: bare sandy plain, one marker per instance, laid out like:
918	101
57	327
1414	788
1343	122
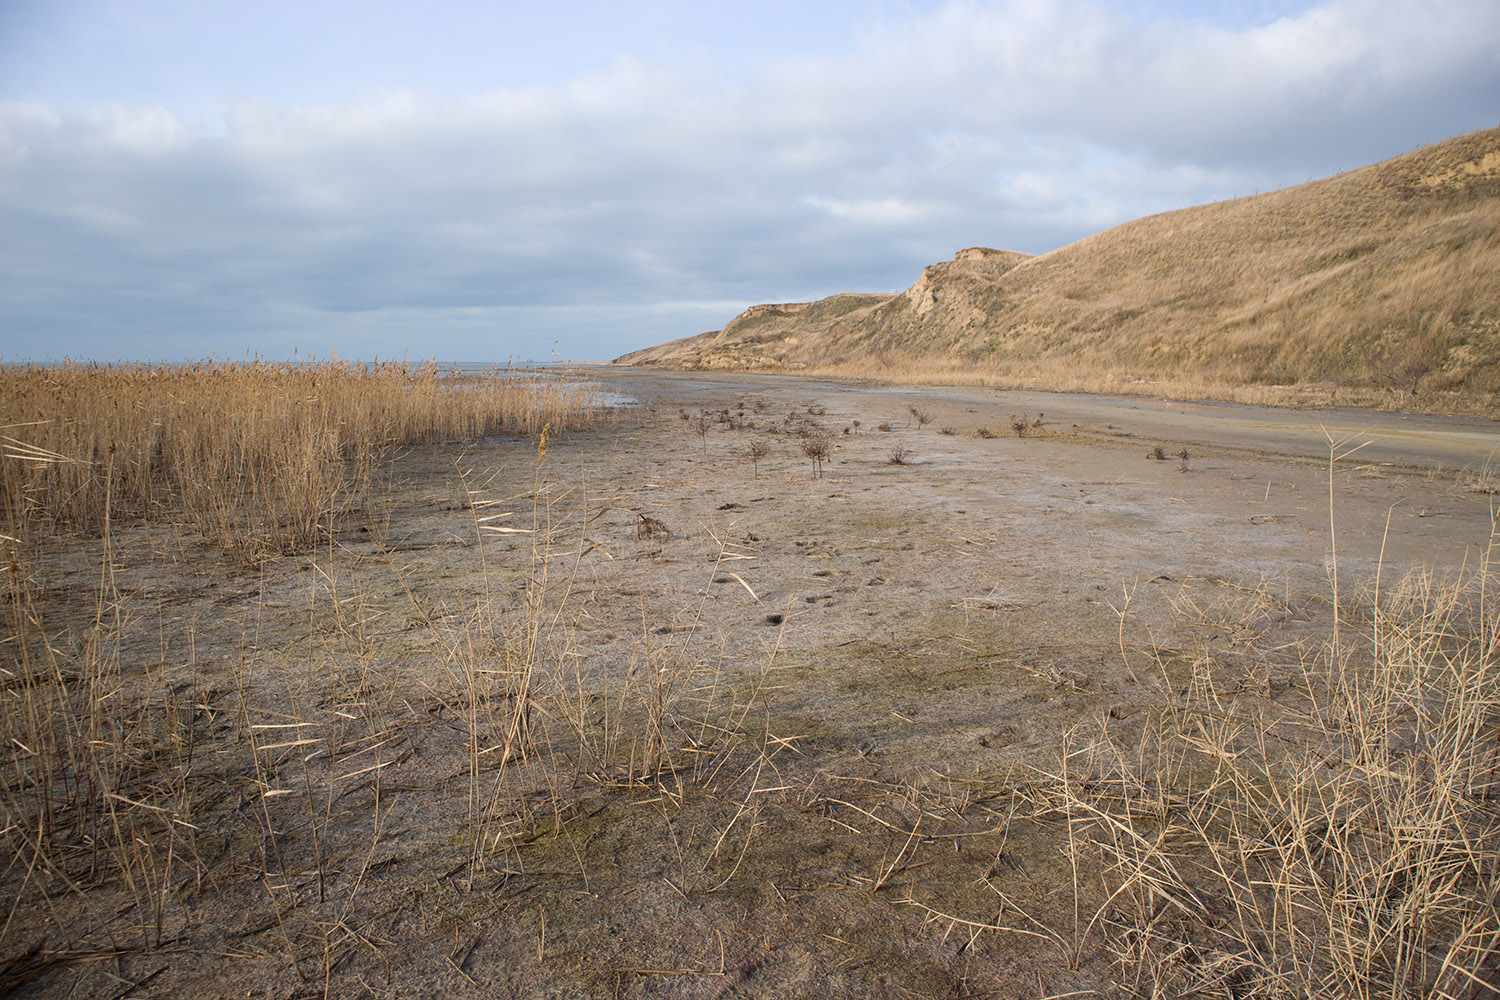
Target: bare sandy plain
783	735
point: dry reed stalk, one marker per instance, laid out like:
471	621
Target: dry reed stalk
254	455
1351	851
106	788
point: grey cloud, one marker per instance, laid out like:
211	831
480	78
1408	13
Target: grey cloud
1313	90
644	202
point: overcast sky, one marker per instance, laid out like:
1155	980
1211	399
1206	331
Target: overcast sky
494	181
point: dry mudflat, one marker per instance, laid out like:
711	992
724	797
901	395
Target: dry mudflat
641	717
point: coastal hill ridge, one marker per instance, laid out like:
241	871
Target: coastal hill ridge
1385	276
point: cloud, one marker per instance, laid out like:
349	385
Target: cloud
877	212
645	201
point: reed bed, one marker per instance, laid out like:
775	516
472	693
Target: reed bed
117	761
139	792
255	454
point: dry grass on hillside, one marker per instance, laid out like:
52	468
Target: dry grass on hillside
1363	277
1057	376
1385	280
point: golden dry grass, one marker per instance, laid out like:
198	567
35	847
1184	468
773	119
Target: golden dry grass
1061	376
254	455
1343	845
115	766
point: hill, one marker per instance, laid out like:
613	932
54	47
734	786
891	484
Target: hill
1385	278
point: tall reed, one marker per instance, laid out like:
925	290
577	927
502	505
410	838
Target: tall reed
105	782
254	454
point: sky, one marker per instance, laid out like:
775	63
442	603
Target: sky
501	181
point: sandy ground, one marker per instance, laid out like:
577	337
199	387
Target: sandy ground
786	734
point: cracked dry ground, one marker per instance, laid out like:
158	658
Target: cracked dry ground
681	725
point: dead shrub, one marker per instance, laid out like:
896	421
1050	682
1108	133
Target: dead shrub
817	445
648	527
755	451
1024	426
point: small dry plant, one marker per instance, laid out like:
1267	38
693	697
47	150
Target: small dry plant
1484	480
648	527
900	455
756	450
1023	426
817	446
702	424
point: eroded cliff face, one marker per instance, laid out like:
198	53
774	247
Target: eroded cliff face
959	286
793	335
922	296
